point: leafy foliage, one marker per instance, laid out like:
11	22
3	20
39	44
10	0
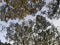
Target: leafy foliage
39	35
40	32
4	43
20	8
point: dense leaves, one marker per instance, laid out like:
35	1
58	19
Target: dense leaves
20	8
40	34
53	9
4	43
32	32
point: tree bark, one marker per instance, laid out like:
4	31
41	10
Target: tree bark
23	42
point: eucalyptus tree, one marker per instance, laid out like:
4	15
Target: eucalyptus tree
46	33
41	31
20	8
54	9
20	34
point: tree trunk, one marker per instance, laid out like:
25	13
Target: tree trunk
23	42
35	42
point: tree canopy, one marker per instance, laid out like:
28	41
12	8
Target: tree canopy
37	31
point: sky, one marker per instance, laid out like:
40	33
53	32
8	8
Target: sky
55	22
